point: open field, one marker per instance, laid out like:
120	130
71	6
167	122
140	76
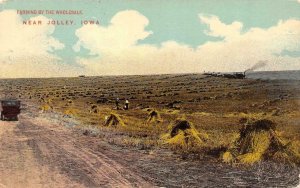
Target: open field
42	150
213	106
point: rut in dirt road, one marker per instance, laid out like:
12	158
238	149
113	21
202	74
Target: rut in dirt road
40	154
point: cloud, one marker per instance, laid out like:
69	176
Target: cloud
119	52
142	59
2	1
242	50
27	51
119	35
219	29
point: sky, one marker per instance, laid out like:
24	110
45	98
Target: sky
137	37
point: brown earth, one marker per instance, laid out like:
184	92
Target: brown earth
67	145
44	150
37	153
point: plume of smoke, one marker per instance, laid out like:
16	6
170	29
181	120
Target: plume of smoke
258	65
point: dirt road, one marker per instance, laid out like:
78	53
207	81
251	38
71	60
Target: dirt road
37	153
41	150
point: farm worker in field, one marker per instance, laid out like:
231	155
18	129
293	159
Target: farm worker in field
117	103
126	105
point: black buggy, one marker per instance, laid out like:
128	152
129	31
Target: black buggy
10	109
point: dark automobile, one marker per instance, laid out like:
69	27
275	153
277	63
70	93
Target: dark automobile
10	109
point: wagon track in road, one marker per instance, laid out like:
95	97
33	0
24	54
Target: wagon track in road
43	154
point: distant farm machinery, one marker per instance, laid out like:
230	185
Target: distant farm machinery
234	75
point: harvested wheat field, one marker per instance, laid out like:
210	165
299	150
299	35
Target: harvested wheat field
184	135
258	141
180	130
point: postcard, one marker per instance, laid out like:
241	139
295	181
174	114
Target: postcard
140	93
